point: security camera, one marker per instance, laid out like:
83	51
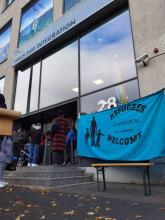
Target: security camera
144	59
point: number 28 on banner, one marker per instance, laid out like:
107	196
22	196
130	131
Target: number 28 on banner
110	103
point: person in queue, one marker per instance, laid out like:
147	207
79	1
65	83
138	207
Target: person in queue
59	138
34	140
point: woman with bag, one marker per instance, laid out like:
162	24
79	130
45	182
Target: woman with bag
5	157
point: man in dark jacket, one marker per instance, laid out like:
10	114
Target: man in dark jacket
2	101
35	136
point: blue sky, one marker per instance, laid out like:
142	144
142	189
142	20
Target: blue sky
111	32
5	37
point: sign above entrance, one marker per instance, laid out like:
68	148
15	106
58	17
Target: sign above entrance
73	17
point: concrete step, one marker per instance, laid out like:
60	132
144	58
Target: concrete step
50	176
44	174
48	168
49	182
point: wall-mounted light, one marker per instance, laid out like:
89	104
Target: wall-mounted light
144	59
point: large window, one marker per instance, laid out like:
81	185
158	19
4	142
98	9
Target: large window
35	87
2	83
107	98
107	55
106	69
68	4
4	42
22	91
34	19
60	76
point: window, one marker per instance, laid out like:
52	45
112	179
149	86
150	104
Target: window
35	87
2	83
121	94
22	91
34	19
59	80
4	42
107	55
68	4
8	2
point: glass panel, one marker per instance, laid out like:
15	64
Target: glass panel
4	43
35	87
35	19
8	2
121	94
60	76
22	91
2	83
107	55
69	4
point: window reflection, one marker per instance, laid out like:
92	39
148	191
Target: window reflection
107	55
22	91
123	94
35	87
68	4
8	2
60	76
35	19
4	43
2	83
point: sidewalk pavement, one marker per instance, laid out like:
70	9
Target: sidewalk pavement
82	202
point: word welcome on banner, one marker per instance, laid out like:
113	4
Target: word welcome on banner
130	132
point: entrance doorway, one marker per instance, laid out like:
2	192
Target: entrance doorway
46	117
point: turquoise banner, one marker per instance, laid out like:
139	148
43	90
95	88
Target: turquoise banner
130	132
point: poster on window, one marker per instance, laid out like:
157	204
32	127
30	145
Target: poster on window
131	132
35	19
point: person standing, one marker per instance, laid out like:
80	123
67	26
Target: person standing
41	149
35	136
19	140
2	101
5	158
71	143
2	105
2	154
59	138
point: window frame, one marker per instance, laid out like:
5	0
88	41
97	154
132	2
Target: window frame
97	25
2	30
63	6
77	36
5	6
25	8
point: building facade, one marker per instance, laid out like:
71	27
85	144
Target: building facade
79	55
